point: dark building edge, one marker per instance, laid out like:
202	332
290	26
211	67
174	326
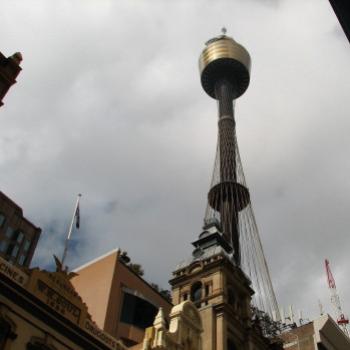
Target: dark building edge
342	11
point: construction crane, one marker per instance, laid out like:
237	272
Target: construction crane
341	319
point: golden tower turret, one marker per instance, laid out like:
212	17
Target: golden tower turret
224	59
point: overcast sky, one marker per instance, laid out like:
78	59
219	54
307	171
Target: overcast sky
109	104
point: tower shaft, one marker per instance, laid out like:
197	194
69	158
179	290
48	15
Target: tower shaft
223	92
228	175
228	197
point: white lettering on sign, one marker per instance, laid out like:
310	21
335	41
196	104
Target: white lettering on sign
104	337
13	273
58	302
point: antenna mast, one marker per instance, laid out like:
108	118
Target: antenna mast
341	319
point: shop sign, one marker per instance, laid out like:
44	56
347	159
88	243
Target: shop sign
58	302
13	273
102	336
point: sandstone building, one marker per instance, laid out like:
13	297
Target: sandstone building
40	310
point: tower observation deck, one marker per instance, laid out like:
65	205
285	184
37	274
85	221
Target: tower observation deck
225	74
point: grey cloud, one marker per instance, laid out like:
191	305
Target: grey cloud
109	104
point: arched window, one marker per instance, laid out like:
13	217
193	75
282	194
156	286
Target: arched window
196	293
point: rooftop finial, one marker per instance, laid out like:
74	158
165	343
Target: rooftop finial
223	30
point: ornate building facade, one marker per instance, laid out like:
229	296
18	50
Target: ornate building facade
40	310
222	293
183	333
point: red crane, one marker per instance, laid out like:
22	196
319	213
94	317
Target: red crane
341	319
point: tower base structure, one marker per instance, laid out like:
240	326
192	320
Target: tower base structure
222	294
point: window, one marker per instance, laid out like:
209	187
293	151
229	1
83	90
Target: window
3	246
20	236
15	251
196	293
185	296
26	245
21	259
9	232
137	311
2	219
206	293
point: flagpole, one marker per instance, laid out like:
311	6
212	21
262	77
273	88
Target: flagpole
70	231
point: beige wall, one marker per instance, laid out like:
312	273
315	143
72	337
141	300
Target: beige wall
93	284
208	321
